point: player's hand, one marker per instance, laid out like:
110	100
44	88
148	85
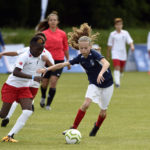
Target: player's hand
43	70
69	67
132	47
37	78
100	78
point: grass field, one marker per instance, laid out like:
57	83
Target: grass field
127	126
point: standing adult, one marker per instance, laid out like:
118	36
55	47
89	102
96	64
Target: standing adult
57	45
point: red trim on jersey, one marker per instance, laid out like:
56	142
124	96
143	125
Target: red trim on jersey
10	93
120	63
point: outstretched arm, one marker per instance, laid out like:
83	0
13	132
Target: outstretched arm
105	66
54	67
8	54
17	72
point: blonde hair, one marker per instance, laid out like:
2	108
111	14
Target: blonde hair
83	33
85	39
43	25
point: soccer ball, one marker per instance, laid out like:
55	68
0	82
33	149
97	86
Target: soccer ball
73	136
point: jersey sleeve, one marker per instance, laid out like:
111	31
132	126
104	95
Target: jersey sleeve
21	61
129	39
97	56
65	42
48	54
75	60
148	42
110	40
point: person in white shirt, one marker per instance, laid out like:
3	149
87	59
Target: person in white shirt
17	86
117	45
46	59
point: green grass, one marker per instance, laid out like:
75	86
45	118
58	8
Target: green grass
126	127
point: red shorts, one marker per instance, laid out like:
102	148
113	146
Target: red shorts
33	91
10	93
120	63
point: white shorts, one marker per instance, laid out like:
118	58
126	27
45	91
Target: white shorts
101	96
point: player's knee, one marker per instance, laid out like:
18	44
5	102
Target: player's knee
85	106
53	84
117	68
103	113
44	85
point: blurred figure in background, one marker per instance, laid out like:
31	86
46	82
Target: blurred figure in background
57	45
117	45
2	42
148	49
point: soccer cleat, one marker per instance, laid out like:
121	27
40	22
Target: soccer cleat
8	139
64	132
117	85
47	107
4	122
42	103
94	130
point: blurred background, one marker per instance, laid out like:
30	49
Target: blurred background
98	13
20	18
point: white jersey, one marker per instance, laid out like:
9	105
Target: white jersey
148	42
28	65
118	43
40	65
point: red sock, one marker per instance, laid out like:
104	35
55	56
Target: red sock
78	118
100	120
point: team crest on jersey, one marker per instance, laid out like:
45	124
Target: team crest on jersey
92	62
20	63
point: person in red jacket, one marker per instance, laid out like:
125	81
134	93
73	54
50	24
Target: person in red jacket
57	45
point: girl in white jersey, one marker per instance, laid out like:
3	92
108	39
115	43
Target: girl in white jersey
46	59
117	45
17	86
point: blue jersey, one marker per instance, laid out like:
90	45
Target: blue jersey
92	66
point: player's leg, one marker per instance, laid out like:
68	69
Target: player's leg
44	85
5	109
53	83
8	94
52	90
25	100
26	105
34	92
81	113
122	65
89	97
104	101
5	121
116	64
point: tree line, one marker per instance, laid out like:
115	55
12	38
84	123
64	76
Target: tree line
98	13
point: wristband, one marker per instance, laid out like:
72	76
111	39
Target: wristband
32	77
46	69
